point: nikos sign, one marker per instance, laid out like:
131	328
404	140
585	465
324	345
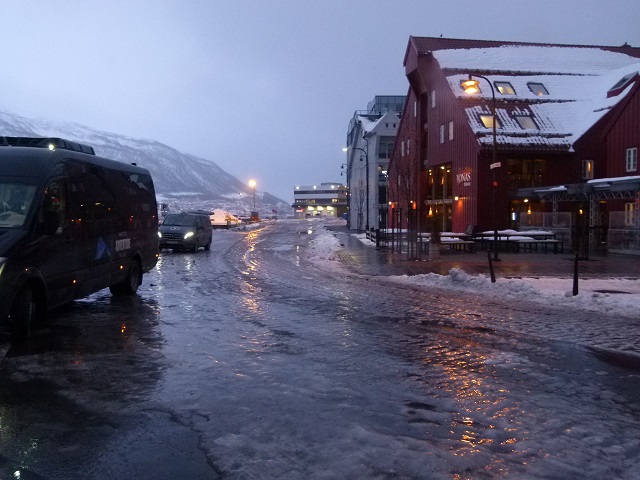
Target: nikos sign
464	179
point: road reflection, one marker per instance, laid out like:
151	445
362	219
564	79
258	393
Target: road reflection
67	389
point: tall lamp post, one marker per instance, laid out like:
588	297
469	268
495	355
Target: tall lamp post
471	86
252	184
366	157
348	189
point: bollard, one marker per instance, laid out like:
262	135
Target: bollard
575	275
493	275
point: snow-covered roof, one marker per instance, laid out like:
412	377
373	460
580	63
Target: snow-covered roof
370	124
577	80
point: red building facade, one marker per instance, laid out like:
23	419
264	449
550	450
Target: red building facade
556	115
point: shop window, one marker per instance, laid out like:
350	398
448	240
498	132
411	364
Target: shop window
629	215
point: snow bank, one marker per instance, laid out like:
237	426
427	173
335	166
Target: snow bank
611	295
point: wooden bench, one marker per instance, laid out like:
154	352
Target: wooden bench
456	243
532	245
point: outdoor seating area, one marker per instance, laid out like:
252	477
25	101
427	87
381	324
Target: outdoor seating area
513	241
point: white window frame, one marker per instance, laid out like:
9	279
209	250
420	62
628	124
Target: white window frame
632	159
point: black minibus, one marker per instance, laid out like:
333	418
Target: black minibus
71	223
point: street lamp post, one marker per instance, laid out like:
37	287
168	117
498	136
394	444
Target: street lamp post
252	184
366	157
471	86
348	191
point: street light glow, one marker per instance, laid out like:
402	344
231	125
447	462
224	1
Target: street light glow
470	86
252	183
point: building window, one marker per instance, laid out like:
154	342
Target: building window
450	130
505	88
408	146
629	215
538	89
441	133
487	121
623	83
526	122
587	169
415	109
433	99
402	149
632	159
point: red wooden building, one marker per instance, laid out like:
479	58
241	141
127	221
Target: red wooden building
566	117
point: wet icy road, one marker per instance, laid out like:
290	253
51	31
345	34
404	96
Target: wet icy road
249	362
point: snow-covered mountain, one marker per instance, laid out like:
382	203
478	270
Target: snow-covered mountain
175	174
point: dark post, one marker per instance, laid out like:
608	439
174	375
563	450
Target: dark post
575	275
493	275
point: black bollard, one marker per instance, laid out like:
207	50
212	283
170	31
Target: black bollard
575	276
493	275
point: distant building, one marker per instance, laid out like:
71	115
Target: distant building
371	138
326	200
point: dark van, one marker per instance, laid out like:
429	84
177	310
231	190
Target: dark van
185	231
71	223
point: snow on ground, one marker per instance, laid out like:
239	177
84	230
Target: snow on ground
609	295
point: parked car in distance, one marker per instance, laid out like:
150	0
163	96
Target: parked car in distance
185	231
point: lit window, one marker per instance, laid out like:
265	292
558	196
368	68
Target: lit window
629	215
538	89
526	122
505	88
632	159
487	121
587	169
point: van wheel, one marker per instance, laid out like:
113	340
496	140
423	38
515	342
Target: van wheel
195	247
130	284
207	247
22	314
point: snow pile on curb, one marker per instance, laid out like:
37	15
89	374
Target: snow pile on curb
323	248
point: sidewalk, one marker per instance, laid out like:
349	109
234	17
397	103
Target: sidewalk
371	261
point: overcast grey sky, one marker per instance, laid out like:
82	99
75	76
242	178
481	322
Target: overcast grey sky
264	88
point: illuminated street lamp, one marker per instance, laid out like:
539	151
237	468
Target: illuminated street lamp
366	157
470	87
252	184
